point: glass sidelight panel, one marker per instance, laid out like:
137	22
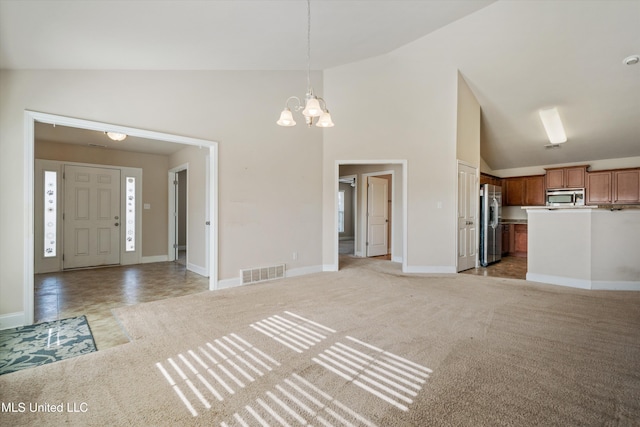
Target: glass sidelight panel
130	215
50	213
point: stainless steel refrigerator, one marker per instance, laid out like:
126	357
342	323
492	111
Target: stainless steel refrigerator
490	220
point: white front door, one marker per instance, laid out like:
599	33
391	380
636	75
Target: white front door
467	217
91	216
377	216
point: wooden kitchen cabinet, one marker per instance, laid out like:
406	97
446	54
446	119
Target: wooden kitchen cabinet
598	188
524	191
571	177
621	186
520	240
626	186
534	191
490	179
506	238
513	189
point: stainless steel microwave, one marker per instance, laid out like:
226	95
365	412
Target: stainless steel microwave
569	197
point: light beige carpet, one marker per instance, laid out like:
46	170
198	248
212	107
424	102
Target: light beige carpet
364	346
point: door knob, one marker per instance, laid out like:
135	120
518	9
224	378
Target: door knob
116	224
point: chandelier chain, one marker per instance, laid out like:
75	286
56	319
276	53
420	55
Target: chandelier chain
309	45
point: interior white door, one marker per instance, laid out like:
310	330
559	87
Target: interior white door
377	216
91	216
467	217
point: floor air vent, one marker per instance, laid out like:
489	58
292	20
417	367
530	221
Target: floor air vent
253	275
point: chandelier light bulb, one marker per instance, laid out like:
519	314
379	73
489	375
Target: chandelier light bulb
325	120
312	109
286	118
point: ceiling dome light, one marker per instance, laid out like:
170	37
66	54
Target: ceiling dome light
116	136
553	125
631	60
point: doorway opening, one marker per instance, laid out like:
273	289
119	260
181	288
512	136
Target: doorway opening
178	215
347	214
378	209
211	234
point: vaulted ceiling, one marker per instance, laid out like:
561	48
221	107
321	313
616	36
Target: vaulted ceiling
517	56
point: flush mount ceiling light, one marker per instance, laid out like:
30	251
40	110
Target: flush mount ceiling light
631	60
116	136
553	125
314	107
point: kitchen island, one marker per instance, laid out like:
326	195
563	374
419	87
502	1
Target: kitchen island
590	247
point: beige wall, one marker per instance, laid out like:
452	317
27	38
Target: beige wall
468	125
270	189
154	184
400	106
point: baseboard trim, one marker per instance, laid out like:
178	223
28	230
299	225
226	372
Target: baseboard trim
12	320
151	259
198	270
602	285
329	267
436	269
229	283
302	271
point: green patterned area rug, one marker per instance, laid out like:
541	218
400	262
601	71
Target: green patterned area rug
34	345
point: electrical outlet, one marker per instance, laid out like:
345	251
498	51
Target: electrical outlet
295	256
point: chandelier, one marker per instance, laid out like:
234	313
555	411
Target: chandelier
314	107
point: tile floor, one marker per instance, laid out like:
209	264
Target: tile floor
511	267
95	292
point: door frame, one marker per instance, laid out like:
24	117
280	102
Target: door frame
31	117
354	218
336	188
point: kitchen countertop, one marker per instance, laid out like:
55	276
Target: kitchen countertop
607	207
553	208
513	221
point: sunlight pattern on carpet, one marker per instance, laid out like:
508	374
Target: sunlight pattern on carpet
295	332
390	377
218	369
230	362
297	401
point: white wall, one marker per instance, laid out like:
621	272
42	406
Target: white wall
585	248
270	202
